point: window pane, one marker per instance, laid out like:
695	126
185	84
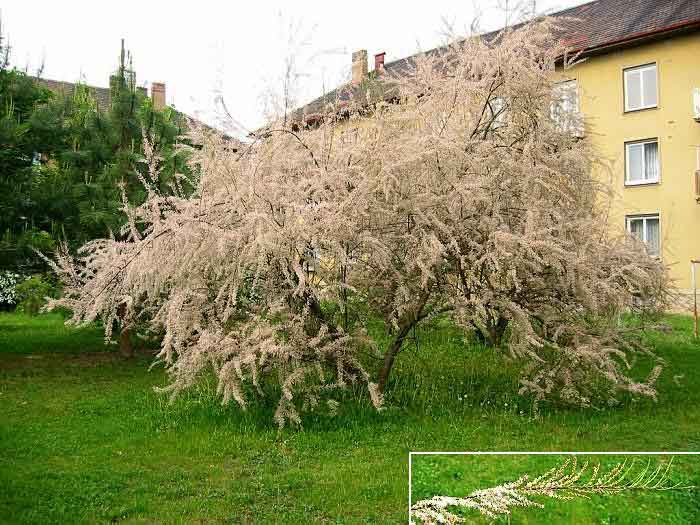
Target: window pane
635	228
566	96
497	104
649	80
651	161
652	232
498	113
633	91
555	108
570	96
635	162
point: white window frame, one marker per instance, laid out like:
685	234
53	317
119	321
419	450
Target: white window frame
567	118
628	181
498	110
348	136
560	88
641	70
644	217
312	259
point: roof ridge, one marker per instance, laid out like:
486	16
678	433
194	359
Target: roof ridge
43	79
601	24
496	31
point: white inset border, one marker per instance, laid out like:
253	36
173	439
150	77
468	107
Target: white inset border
518	453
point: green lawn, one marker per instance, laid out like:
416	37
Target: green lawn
84	439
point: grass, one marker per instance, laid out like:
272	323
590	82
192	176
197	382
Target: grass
85	439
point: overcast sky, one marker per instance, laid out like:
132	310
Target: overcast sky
205	47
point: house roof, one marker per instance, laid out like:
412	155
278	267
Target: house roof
590	28
102	98
606	23
100	94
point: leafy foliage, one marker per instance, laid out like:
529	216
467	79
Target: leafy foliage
19	141
31	294
65	162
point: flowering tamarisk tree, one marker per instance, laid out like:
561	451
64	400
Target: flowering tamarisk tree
448	189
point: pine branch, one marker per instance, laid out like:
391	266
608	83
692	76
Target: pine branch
565	482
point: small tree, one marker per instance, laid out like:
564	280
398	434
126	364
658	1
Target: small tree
446	189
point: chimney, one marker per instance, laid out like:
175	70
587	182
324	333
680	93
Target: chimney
158	95
379	62
359	66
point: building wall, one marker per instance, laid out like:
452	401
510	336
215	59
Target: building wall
601	99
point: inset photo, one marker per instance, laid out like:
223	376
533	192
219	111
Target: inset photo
552	488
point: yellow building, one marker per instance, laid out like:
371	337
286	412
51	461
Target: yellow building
639	93
638	90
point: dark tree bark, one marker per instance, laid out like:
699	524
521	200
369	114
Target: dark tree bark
495	330
479	334
391	352
126	349
406	324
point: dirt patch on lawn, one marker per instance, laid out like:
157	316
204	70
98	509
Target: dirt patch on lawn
78	359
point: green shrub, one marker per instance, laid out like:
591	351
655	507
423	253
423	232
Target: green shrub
32	293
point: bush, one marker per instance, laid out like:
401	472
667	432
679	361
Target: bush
31	294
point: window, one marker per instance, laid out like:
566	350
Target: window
311	259
565	107
497	106
640	87
348	136
646	229
642	162
565	98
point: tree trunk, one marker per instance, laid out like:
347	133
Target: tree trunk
407	323
126	349
496	331
479	334
391	352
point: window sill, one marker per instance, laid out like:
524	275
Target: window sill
640	109
643	183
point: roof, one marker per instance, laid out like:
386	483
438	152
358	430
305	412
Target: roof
607	23
590	28
100	94
102	98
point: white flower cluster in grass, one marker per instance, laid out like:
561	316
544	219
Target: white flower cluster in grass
564	482
8	283
431	200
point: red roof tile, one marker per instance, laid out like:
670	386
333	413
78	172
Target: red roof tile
608	22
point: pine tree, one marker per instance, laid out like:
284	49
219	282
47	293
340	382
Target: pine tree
19	96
